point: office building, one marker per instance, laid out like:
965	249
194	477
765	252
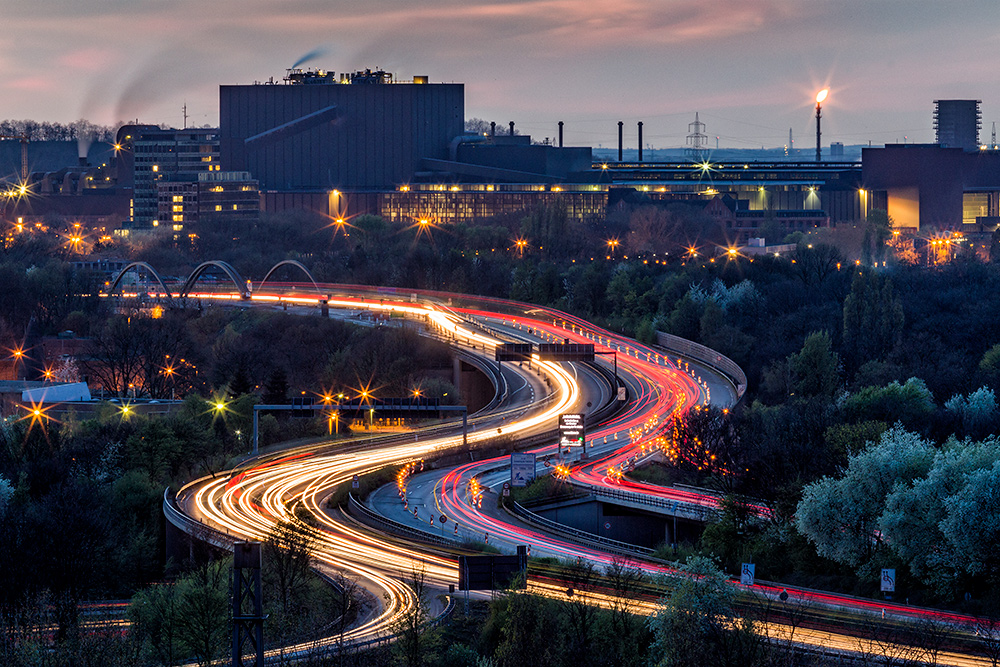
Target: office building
147	154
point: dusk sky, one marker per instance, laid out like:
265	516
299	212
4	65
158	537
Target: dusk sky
750	67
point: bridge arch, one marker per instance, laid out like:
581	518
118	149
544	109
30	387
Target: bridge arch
233	274
134	265
290	262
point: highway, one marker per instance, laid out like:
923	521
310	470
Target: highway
247	503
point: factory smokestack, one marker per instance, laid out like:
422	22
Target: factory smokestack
512	128
493	128
560	134
620	146
640	141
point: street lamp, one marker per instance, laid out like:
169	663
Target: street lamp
612	246
521	244
820	96
18	354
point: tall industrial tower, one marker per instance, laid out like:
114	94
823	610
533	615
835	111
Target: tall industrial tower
697	140
957	123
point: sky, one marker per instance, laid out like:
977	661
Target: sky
750	68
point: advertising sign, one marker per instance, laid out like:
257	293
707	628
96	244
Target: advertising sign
571	431
522	468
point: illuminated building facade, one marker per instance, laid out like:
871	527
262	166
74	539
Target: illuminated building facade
216	198
148	155
931	186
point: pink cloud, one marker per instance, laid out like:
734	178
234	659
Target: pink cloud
32	84
91	59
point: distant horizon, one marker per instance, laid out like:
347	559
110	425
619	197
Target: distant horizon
749	68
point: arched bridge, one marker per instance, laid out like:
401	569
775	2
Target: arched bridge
243	287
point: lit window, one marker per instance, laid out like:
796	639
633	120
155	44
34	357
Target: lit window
218	207
156	167
178	198
156	223
207	158
178	218
234	207
178	208
178	228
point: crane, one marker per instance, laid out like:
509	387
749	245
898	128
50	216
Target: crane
24	153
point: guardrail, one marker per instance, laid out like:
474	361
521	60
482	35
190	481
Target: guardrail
672	507
371	515
623	548
707	356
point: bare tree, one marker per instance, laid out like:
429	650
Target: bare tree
626	579
288	553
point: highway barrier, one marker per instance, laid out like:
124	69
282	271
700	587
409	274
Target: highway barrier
706	355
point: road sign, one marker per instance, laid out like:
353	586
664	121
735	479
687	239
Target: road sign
607	525
571	431
484	573
513	352
888	580
747	574
566	351
621	393
443	519
355	482
522	468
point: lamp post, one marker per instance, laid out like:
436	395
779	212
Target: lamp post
820	96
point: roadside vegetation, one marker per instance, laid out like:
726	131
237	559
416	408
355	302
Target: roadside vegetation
868	430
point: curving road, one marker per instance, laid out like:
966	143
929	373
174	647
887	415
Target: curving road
247	503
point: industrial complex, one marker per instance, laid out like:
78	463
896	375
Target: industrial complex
365	142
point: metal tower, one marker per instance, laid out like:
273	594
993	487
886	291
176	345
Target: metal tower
248	606
697	140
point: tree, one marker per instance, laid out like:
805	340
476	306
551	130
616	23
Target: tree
417	640
288	551
910	403
203	598
816	368
154	613
697	623
530	630
580	578
873	319
276	389
840	516
976	415
625	579
972	524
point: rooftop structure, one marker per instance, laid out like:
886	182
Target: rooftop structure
957	123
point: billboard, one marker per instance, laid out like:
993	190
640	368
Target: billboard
571	431
489	573
522	468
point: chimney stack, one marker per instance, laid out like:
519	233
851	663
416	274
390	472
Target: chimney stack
560	134
640	141
493	128
512	128
620	125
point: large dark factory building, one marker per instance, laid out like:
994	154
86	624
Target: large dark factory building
318	132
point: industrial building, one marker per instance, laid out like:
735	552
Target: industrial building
317	132
930	186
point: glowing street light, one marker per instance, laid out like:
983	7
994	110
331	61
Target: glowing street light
612	246
520	244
